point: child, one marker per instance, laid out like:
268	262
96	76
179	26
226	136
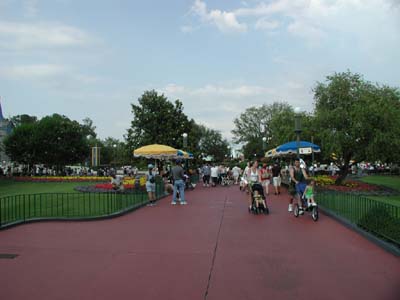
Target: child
309	193
258	199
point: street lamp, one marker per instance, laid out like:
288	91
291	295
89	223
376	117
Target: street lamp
264	139
184	135
115	153
297	128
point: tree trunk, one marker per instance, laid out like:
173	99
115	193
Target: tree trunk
344	169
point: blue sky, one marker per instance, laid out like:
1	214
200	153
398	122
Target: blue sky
94	58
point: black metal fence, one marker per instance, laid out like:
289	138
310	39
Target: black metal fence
19	209
381	219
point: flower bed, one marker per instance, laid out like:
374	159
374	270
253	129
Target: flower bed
328	182
61	178
127	181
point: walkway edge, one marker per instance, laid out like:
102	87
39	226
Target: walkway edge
381	243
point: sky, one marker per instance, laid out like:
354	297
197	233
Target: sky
94	58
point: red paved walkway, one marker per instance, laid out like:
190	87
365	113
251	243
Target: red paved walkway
209	249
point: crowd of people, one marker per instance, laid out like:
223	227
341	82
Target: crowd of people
265	175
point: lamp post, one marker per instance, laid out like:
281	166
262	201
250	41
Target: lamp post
184	135
264	146
297	128
115	153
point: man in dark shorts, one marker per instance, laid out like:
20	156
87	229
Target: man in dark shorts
299	176
276	178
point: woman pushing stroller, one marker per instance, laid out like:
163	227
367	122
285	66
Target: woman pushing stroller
256	192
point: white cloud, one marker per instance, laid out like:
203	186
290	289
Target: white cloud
266	24
224	21
21	36
32	71
311	20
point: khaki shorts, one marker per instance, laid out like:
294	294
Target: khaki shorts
276	181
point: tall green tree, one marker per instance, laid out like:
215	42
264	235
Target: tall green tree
357	120
54	140
22	119
157	120
20	144
211	143
275	122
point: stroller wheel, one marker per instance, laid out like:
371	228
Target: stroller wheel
314	213
296	211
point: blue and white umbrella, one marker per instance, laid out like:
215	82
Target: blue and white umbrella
184	154
291	148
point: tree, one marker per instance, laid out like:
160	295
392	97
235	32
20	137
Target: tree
357	120
88	128
211	143
60	141
22	119
274	122
157	120
19	145
54	140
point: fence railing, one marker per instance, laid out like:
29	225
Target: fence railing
19	209
374	216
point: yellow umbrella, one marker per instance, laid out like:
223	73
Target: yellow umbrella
156	151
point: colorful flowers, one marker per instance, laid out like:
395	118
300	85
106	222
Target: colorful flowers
328	182
127	181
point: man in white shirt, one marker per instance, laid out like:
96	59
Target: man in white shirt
214	175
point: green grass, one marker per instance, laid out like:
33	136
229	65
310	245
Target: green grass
45	200
392	182
10	187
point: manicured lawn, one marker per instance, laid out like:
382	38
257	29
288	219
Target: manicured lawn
392	182
10	187
21	201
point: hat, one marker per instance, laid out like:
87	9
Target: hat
150	166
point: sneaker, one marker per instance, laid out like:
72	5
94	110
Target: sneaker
290	208
173	203
301	211
183	202
149	204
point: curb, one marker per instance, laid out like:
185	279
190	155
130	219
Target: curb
372	238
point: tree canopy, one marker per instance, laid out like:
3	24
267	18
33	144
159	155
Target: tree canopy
357	120
157	120
54	140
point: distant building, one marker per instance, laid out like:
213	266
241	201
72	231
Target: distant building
5	129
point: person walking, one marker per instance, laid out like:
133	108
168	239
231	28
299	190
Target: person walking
206	174
276	178
214	175
253	176
178	176
299	176
265	178
151	185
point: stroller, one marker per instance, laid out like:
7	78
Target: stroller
257	194
313	209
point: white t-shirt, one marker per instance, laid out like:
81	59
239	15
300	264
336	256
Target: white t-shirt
236	171
214	172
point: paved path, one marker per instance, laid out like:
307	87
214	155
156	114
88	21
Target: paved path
210	249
